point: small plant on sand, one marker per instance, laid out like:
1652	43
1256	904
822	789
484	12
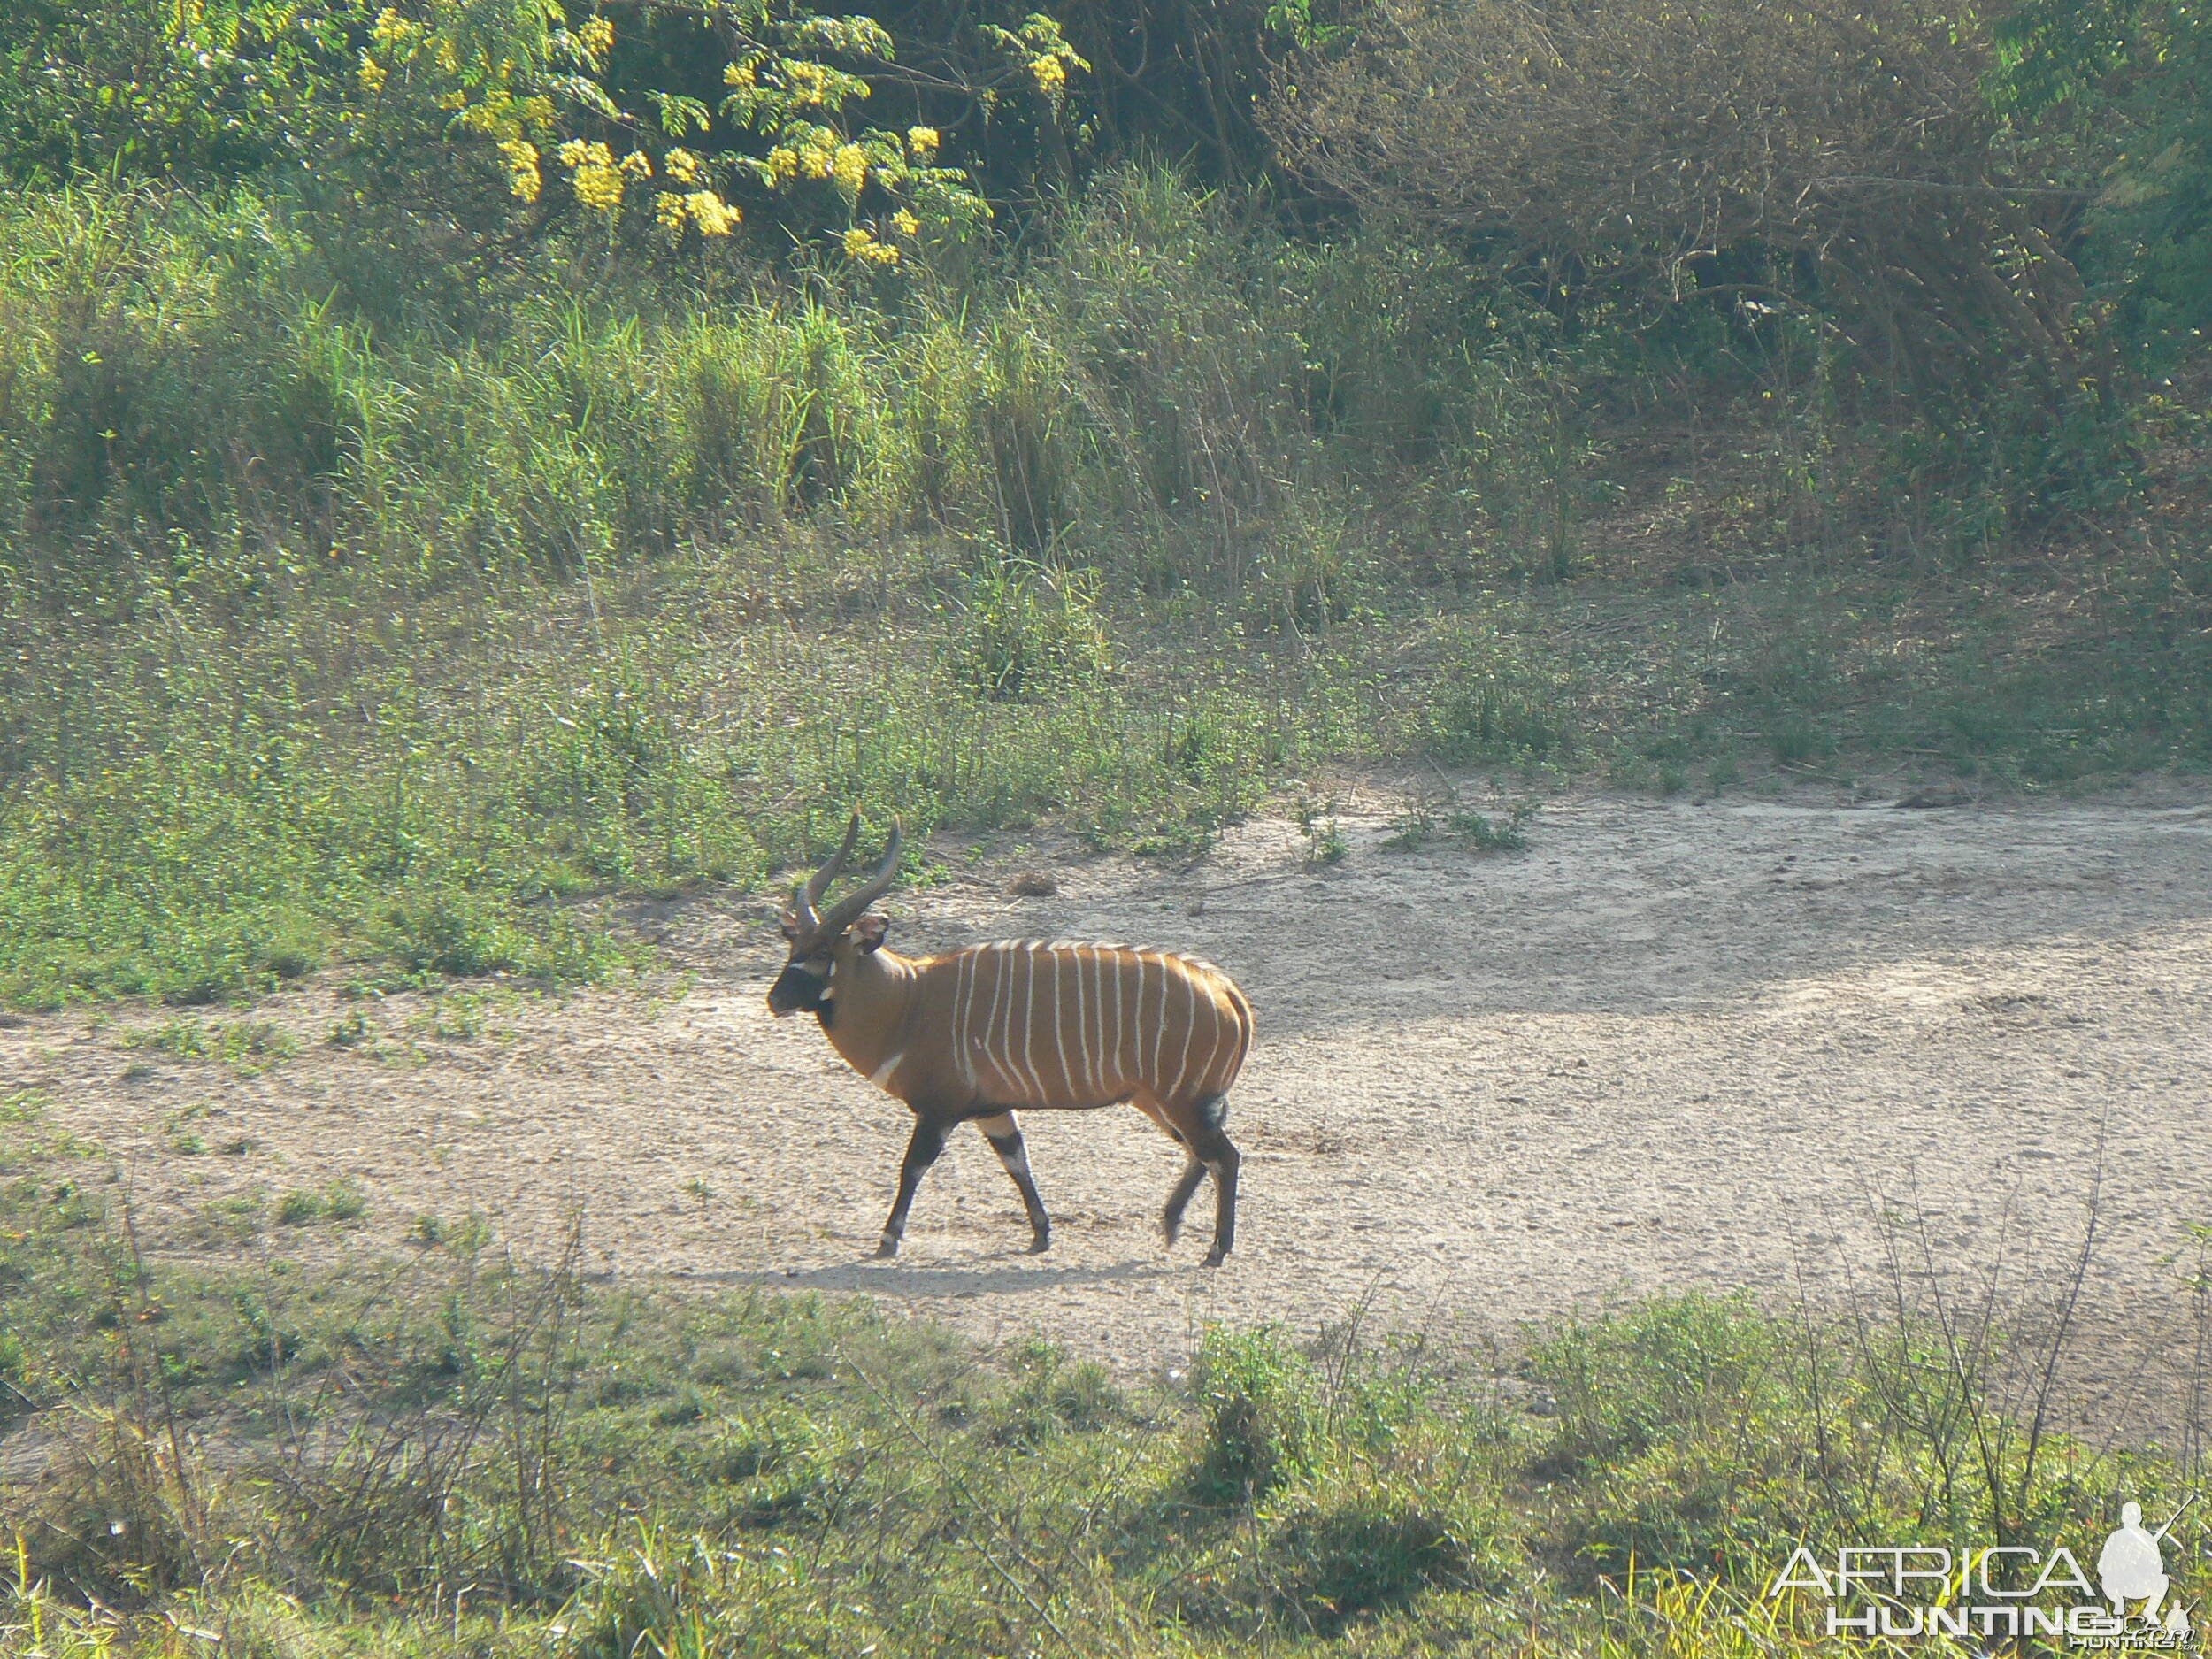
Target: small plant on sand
1325	836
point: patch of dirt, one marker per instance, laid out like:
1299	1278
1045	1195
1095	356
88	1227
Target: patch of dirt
1668	1044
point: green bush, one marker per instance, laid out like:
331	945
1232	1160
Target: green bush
1622	1387
1020	633
1259	1406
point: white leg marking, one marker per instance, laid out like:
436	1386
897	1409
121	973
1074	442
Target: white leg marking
1016	1161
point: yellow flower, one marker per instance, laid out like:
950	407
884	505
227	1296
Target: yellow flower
711	214
905	223
391	30
849	167
448	60
809	83
862	246
637	164
814	161
1051	74
682	165
593	175
783	164
922	141
371	73
524	177
597	35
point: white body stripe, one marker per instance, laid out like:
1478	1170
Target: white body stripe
1190	1024
1102	1054
881	1076
963	993
1059	1027
1159	1024
1102	1048
1096	1004
1136	1035
993	1047
1029	1021
1121	1032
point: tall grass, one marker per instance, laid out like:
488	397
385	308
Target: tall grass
178	382
356	636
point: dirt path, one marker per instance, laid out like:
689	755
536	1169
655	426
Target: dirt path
1668	1044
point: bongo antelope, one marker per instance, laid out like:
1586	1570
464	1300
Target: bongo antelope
974	1035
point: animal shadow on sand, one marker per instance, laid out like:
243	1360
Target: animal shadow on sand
1020	1273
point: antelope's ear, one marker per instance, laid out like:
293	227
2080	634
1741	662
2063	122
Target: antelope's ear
869	930
790	921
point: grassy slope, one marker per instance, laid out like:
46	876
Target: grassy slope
426	782
384	644
451	1452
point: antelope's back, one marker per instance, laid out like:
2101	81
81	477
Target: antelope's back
1050	1024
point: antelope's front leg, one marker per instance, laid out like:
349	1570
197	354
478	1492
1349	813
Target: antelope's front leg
921	1151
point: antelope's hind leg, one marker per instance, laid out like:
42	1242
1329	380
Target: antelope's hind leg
1005	1137
1211	1153
921	1151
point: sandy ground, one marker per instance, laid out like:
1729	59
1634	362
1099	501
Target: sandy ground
1668	1044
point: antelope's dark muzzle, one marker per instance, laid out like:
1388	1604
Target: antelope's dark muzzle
797	991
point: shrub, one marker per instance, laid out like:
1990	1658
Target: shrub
1495	704
1053	1395
1259	1412
1022	631
1623	1386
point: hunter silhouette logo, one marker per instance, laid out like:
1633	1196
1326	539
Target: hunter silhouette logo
2131	1567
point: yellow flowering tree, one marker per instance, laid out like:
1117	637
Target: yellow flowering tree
671	119
785	123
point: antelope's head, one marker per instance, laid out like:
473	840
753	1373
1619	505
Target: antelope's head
823	941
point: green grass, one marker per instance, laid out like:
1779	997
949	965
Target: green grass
369	645
317	1461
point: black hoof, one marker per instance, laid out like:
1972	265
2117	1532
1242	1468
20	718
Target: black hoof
1215	1257
888	1248
1170	1227
1038	1245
